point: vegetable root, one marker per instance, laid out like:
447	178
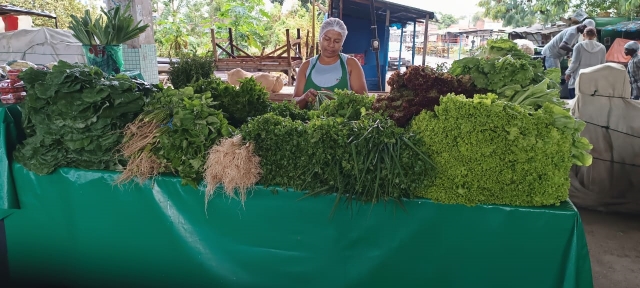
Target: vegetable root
140	137
233	165
142	166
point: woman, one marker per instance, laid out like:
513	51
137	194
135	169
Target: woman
587	53
331	70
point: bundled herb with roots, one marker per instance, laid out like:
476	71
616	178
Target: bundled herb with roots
232	164
139	138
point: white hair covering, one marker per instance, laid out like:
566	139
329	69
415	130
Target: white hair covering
589	23
333	24
632	45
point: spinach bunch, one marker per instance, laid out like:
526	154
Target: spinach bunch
73	117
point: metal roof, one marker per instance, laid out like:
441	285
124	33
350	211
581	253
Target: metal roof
13	10
398	13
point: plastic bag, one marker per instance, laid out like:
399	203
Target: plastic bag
108	58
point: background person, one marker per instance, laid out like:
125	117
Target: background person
562	44
587	53
633	68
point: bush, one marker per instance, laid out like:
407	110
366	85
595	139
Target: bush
191	68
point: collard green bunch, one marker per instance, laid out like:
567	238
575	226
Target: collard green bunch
73	117
506	155
500	64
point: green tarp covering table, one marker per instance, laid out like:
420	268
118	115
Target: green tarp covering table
75	228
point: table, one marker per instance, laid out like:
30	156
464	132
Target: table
75	228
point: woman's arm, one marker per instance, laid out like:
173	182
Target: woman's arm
356	76
299	95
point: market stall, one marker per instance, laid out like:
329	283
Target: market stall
136	185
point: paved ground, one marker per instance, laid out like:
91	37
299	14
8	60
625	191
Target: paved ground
614	246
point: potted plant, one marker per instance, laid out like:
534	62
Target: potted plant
103	36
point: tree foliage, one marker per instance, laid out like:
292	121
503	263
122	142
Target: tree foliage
446	20
61	8
521	13
183	25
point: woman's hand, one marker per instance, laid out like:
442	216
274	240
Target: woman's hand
567	77
310	96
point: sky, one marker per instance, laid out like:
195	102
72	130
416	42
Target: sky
454	7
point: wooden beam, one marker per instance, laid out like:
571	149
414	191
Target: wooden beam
426	41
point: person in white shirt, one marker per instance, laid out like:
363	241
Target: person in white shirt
561	45
586	54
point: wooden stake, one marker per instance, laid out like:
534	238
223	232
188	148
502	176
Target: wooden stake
213	43
231	42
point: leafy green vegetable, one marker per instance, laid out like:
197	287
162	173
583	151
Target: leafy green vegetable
287	109
417	89
533	96
237	103
73	117
506	155
192	127
369	160
501	64
347	105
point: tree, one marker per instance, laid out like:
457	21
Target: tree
522	13
446	20
61	8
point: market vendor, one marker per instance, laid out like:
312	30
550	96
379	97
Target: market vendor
562	44
633	68
331	70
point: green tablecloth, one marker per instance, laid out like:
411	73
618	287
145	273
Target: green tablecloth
77	229
10	119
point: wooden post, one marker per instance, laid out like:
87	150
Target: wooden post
313	23
290	71
400	52
233	53
141	10
213	43
308	54
388	16
426	40
413	49
341	10
300	42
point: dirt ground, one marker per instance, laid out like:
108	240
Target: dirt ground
614	246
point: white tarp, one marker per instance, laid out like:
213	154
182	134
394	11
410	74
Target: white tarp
612	182
40	46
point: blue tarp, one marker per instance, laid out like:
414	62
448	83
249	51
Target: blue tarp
628	26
